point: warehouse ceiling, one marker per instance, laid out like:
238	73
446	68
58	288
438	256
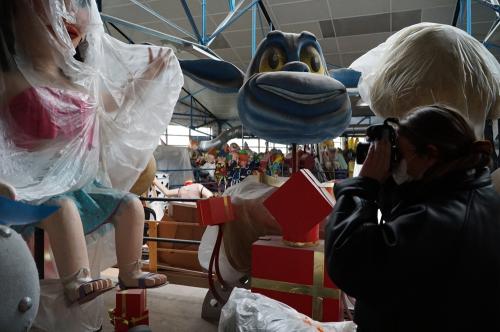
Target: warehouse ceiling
346	29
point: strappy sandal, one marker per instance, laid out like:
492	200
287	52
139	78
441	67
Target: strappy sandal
141	282
80	288
84	297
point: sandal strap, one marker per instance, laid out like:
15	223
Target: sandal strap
142	280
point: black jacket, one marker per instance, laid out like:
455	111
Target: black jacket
434	265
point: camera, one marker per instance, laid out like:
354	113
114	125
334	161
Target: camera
375	133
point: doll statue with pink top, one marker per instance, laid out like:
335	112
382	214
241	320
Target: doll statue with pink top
80	116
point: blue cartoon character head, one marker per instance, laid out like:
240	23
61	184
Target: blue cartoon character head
287	95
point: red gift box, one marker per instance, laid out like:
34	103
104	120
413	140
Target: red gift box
123	324
131	303
296	277
299	205
215	210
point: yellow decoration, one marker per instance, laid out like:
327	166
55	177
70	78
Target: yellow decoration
145	179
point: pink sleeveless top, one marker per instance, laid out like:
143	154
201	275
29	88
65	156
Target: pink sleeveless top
41	113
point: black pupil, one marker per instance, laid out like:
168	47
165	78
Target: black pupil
273	59
315	63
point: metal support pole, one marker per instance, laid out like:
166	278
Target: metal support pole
493	29
191	20
130	41
230	19
203	22
161	18
468	16
152	32
266	15
254	28
456	14
192	94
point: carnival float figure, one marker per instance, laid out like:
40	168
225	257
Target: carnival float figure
287	96
80	116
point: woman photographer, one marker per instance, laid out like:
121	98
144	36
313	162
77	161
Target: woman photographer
433	262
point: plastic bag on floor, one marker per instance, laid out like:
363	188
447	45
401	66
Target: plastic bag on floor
247	311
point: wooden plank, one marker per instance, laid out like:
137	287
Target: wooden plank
153	246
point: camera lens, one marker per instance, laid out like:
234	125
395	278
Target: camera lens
361	152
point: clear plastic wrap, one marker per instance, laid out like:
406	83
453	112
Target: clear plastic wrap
429	63
252	312
76	104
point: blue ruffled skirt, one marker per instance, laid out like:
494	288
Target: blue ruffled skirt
96	204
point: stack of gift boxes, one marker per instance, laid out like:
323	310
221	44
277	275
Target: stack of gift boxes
291	269
131	310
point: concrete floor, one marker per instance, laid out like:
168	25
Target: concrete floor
171	308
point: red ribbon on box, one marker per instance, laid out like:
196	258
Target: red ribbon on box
296	277
124	323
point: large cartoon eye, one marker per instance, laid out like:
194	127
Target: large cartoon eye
272	59
311	57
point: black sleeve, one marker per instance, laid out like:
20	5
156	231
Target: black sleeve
362	256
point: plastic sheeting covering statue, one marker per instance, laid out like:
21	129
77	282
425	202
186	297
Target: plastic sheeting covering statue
429	63
80	116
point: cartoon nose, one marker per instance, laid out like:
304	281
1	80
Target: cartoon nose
296	66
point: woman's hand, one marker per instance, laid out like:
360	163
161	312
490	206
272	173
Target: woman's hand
377	163
156	65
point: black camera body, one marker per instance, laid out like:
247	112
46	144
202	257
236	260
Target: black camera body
375	133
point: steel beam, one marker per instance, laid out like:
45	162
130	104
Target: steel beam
260	24
468	16
266	15
191	94
198	102
203	21
254	28
490	4
493	29
163	19
152	32
191	20
456	14
230	18
130	41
